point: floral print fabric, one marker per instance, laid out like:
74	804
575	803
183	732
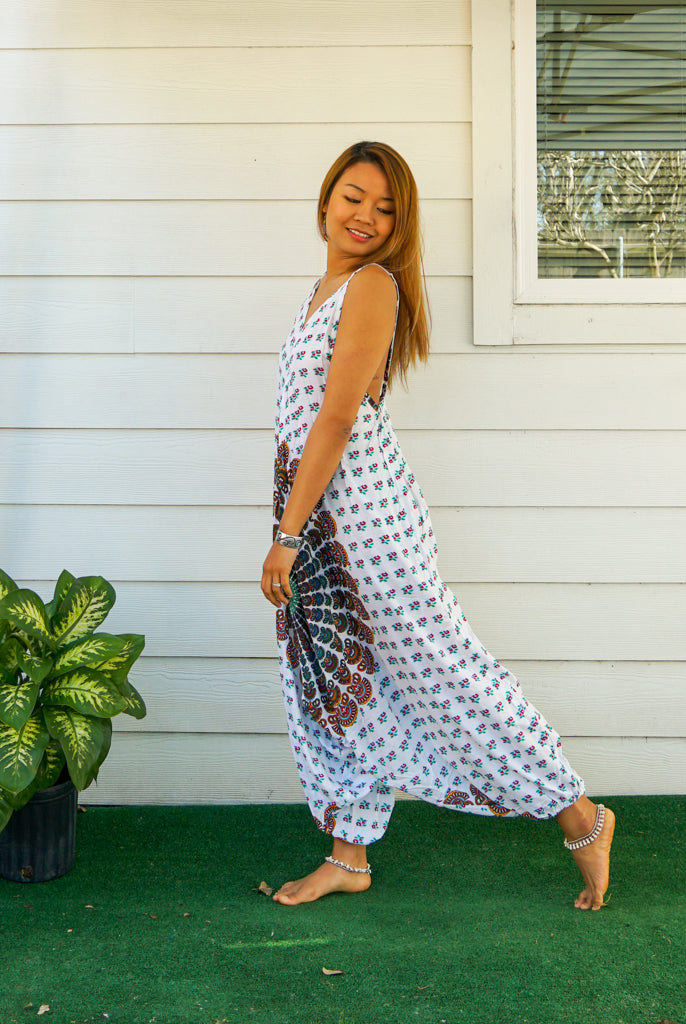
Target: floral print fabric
385	684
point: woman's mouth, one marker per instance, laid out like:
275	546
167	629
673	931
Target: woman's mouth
359	236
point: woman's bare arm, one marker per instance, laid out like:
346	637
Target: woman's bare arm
364	335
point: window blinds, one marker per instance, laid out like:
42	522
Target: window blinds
611	108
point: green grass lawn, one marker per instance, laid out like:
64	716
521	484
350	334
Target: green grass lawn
469	921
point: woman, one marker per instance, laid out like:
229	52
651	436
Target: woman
385	683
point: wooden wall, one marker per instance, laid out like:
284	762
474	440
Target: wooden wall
160	166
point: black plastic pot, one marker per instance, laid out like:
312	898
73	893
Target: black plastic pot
39	841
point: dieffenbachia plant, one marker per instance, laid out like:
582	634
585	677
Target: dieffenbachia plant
60	685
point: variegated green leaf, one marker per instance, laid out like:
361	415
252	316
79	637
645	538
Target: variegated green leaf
48	773
51	766
10	652
17	701
35	668
26	611
104	751
6	809
9	677
81	738
92	652
7	584
133	644
135	705
61	587
19	800
85	690
21	751
83	608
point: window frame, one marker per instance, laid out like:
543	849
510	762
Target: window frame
512	305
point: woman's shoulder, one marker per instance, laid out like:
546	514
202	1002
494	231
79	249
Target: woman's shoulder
372	283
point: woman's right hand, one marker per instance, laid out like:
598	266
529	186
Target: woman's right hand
276	570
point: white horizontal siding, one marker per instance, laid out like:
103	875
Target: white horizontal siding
484	545
181	23
217	314
189	315
527	621
216	161
234	467
189	769
517	392
250	85
191	238
614	325
227	695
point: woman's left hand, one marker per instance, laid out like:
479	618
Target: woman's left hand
276	585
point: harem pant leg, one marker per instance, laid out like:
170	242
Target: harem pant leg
365	820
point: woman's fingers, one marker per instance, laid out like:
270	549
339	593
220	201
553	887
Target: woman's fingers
266	588
276	595
279	591
276	585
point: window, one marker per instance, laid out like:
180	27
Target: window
579	136
611	139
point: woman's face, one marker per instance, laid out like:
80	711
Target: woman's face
360	212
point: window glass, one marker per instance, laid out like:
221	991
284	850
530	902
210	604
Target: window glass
611	155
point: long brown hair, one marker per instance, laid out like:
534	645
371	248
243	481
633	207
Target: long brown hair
401	253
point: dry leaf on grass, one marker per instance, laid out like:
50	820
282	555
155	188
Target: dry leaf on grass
44	1009
265	889
328	973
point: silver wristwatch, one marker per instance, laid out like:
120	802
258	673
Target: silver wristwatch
287	540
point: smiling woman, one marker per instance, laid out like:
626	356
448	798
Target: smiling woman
357	213
385	683
380	180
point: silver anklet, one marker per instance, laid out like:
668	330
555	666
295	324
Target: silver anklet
577	844
349	867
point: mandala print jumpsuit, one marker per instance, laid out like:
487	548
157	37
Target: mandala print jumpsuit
385	684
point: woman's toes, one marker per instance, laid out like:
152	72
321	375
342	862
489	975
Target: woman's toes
283	891
583	901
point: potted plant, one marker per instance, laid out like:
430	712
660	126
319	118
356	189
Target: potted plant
61	682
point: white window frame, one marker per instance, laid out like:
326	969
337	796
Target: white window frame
512	305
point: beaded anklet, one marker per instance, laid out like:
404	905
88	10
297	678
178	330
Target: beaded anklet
577	844
348	867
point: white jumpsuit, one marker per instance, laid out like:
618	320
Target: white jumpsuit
385	684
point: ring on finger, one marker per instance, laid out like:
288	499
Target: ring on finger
279	585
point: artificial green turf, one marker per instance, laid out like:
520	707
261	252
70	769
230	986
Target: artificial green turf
469	921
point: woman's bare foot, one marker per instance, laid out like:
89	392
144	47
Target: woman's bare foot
327	878
594	864
593	860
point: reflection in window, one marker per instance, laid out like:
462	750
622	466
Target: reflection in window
611	102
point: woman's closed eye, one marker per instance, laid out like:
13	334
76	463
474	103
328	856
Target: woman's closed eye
357	201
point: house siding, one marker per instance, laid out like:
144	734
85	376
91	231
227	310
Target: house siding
162	163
